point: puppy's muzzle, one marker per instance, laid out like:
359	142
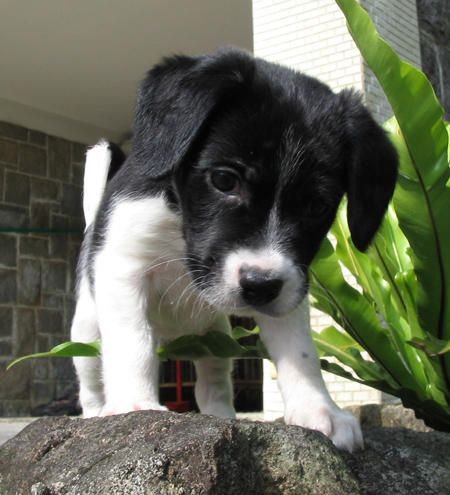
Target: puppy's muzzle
258	287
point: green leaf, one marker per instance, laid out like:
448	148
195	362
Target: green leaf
335	343
422	198
186	347
431	345
66	349
241	332
423	216
338	370
222	345
334	295
192	347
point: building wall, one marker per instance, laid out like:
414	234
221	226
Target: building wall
434	25
40	190
310	36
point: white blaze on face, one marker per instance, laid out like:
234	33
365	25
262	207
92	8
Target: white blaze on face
268	259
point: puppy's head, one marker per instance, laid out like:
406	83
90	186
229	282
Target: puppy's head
256	159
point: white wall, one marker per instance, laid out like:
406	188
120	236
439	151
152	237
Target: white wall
310	36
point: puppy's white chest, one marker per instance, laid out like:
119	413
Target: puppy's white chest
144	236
174	305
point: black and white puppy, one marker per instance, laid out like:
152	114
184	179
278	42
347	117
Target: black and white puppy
236	171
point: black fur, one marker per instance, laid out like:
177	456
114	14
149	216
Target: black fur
117	159
291	141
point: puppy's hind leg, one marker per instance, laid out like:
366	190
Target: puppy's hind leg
89	369
214	387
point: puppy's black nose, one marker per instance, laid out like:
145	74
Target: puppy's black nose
259	287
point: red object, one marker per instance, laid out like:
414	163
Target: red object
179	405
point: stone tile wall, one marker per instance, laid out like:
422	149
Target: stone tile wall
40	234
434	25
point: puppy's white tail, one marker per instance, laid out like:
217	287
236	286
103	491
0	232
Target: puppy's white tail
101	160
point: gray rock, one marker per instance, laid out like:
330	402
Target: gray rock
165	453
387	415
154	452
401	461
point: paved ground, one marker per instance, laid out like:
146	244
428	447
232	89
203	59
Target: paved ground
9	427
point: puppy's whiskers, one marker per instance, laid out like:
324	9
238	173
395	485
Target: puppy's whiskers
166	292
190	291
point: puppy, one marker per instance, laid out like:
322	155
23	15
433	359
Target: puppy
236	171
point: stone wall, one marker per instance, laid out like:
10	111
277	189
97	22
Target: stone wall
434	25
40	234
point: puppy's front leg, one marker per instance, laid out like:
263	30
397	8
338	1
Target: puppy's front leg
306	399
130	366
214	387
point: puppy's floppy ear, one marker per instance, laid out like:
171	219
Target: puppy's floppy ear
371	168
174	103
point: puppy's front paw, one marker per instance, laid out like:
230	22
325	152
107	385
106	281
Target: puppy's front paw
340	426
113	409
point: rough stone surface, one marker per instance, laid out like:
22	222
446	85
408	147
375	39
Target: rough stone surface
401	461
165	453
152	452
390	415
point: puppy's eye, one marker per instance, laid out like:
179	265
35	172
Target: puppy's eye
224	180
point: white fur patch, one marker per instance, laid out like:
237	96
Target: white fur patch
98	160
143	293
306	399
267	259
